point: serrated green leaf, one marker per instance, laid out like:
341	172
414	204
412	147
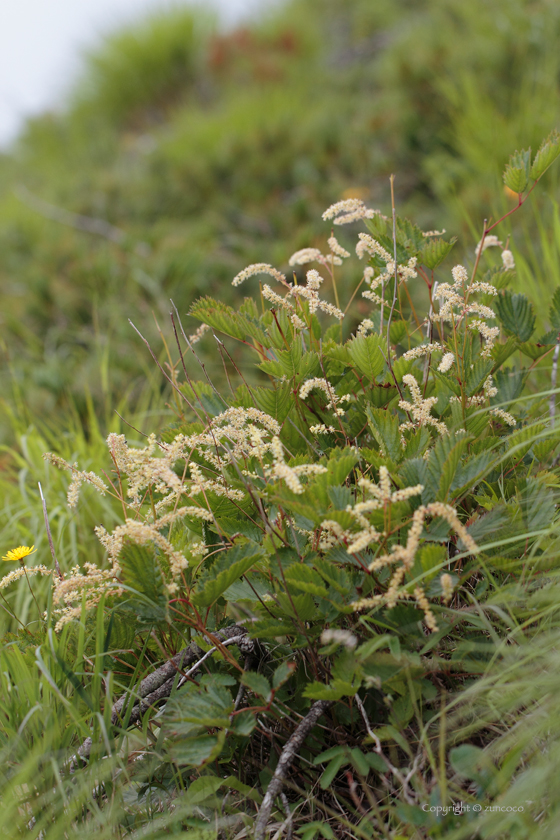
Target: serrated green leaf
257	683
331	770
533	351
271	628
385	429
244	723
410	235
275	402
516	173
430	558
516	315
196	751
509	382
365	352
521	440
293	364
555	311
228	568
225	319
537	505
435	251
334	691
340	464
202	788
199	705
282	674
546	155
471	473
306	579
477	375
502	352
398	331
335	577
442	466
141	572
201	393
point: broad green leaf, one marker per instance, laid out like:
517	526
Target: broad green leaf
435	251
366	353
516	315
546	155
335	577
331	770
521	440
430	558
301	607
341	462
502	352
398	331
224	318
202	788
410	235
257	683
243	724
271	628
534	351
385	429
336	690
509	382
274	401
329	754
470	473
201	393
554	313
141	572
293	364
516	173
477	375
306	579
473	763
196	751
442	465
228	568
282	674
538	505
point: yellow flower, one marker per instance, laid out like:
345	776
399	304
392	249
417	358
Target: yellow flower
19	553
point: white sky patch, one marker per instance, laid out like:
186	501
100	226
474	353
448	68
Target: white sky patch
41	42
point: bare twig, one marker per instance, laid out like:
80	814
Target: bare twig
158	685
289	753
49	535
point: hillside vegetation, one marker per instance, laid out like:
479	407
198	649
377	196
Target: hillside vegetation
186	152
295	574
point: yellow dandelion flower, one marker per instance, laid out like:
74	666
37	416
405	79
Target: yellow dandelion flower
19	553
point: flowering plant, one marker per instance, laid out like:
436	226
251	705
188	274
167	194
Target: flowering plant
335	507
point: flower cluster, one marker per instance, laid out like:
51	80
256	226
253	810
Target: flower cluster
405	556
419	408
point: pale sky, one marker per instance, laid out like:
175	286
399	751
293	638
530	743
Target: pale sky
41	42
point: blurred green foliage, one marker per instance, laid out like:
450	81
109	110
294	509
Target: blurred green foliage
205	148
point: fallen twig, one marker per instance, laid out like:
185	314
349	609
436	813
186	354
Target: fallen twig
158	685
290	751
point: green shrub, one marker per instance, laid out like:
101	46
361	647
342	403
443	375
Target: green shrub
321	556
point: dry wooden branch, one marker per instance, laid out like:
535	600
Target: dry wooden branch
158	685
290	751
